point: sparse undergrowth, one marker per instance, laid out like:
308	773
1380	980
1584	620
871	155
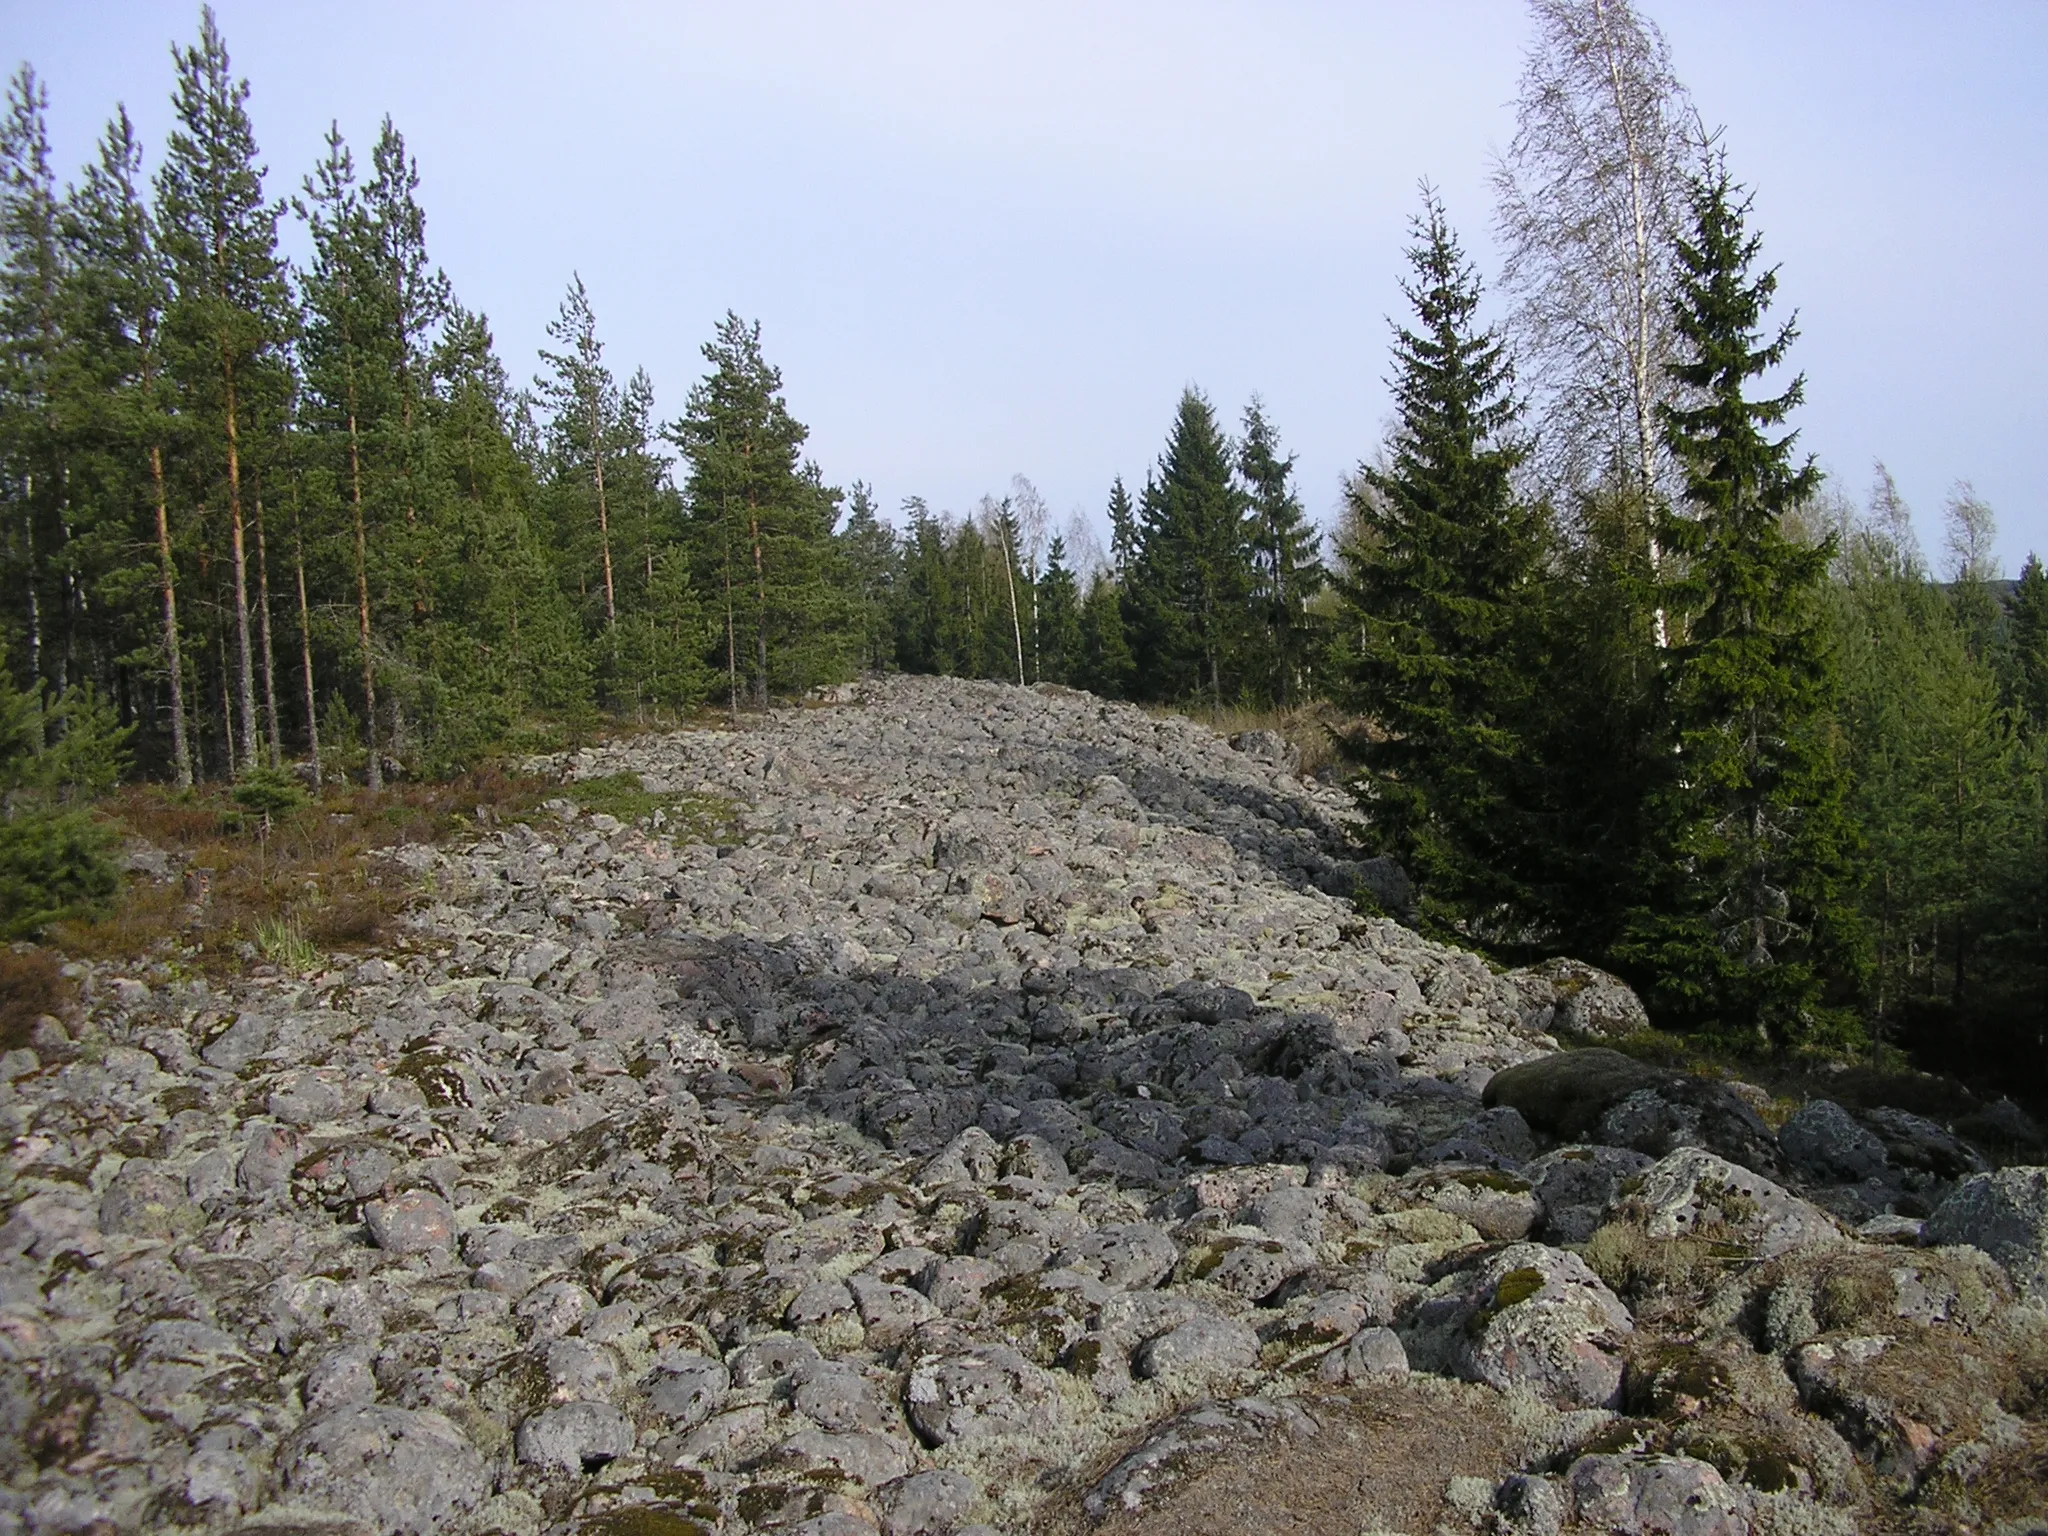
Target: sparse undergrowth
289	883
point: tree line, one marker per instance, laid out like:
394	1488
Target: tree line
1626	678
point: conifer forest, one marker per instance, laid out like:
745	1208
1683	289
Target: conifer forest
1611	668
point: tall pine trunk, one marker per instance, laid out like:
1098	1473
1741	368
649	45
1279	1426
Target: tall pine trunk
374	775
604	525
245	672
35	604
263	636
306	645
181	749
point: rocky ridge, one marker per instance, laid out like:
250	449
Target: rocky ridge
1012	1124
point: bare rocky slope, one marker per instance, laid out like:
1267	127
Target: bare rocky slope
1008	1123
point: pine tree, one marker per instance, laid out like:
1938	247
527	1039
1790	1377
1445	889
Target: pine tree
351	359
1746	921
1443	568
761	525
121	403
583	397
230	313
1287	572
31	444
1192	575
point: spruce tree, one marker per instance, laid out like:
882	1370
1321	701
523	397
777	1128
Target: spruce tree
2029	623
1123	528
1442	576
1287	571
922	638
1059	618
1745	920
1106	666
531	647
869	558
1192	575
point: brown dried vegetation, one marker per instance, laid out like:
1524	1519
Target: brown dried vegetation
318	871
31	985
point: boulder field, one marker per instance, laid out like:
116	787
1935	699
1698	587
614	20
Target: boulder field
969	1109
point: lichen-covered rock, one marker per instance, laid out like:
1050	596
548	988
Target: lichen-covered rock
1577	1185
1176	1449
2006	1215
1570	997
405	1470
1694	1193
978	1393
1526	1316
1655	1496
1823	1141
1206	1345
575	1437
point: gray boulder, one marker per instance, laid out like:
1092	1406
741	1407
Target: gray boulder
1570	997
575	1437
977	1394
1639	1495
404	1470
1565	1094
2006	1215
1577	1185
1529	1316
1694	1192
1823	1142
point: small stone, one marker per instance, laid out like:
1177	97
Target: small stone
304	1099
267	1161
926	1503
1205	1345
417	1221
1369	1354
688	1389
980	1392
1643	1495
341	1379
575	1437
144	1201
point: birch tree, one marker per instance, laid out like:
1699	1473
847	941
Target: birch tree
1590	203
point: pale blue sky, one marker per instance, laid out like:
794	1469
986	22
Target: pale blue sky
990	239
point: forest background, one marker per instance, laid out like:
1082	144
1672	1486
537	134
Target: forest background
1614	671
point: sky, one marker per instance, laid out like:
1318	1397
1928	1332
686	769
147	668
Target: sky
994	239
